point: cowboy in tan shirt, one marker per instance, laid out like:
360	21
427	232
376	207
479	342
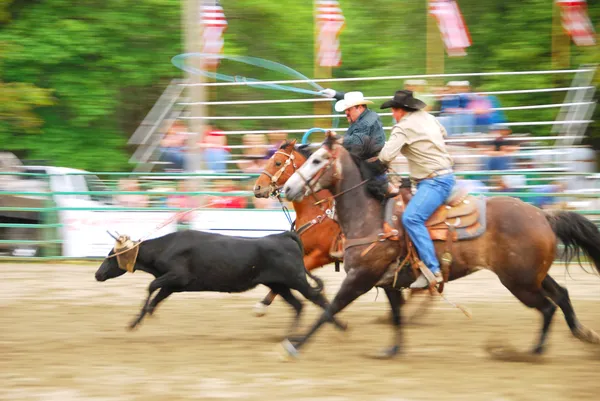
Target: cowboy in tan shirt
420	138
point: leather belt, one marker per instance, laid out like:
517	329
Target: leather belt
436	173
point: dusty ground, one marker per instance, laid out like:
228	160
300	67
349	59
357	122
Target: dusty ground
63	338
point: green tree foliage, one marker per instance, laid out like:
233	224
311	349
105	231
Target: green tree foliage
77	77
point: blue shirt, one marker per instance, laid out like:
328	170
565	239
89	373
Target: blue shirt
367	125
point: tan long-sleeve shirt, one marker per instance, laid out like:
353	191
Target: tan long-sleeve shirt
420	138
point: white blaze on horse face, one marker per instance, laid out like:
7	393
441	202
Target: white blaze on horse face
297	183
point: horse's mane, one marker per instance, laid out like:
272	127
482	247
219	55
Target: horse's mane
303	149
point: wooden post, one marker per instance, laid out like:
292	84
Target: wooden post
193	44
322	108
561	51
435	56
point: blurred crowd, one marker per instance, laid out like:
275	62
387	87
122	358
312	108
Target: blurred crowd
464	112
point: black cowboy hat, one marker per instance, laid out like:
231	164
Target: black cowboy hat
404	99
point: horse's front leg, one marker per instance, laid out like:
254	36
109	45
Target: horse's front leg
356	283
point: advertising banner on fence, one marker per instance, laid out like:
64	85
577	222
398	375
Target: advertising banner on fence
244	223
84	231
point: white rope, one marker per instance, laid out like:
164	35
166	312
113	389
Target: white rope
393	77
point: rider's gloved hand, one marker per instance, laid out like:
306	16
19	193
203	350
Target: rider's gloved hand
377	165
328	92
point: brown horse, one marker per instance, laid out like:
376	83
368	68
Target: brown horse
519	246
314	224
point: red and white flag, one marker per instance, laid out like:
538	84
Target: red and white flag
452	26
330	22
576	22
213	26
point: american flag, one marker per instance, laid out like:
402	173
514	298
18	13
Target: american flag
213	25
576	22
452	26
330	22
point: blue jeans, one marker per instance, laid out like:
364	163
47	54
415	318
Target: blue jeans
431	193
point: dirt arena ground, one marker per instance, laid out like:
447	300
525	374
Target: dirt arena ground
63	338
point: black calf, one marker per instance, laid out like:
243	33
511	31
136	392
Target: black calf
199	261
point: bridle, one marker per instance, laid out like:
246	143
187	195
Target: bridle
290	160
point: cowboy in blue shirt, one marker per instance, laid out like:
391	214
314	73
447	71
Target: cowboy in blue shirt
364	123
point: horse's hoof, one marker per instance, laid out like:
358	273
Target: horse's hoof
385	319
587	335
288	351
260	309
341	326
387	353
507	353
133	325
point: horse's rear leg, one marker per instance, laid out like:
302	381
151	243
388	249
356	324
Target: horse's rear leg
396	300
560	296
534	298
356	283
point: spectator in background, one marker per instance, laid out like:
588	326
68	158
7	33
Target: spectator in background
226	201
420	91
172	146
549	202
130	200
254	153
450	108
465	117
183	201
500	150
276	139
480	107
497	116
215	152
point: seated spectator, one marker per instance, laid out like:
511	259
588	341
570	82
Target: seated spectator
549	202
183	201
472	186
419	88
224	201
130	200
497	116
215	152
480	106
254	153
276	139
465	117
499	152
499	183
172	146
449	108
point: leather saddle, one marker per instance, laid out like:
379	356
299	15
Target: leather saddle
462	214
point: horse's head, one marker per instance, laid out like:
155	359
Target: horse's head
322	170
279	168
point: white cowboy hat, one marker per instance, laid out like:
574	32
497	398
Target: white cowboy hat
351	99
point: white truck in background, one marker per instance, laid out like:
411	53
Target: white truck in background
14	189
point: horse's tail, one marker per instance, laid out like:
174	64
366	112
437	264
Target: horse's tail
319	283
294	235
576	233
